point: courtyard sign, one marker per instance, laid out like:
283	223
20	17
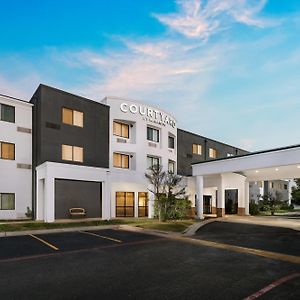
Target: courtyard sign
148	114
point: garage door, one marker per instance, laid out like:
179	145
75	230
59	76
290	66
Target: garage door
74	193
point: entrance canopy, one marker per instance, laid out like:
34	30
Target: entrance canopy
238	171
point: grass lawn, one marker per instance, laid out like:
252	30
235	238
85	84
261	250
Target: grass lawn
177	226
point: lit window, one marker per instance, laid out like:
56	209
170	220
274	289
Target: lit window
72	153
212	153
171	166
121	129
7	201
121	161
152	134
7	113
143	204
72	117
7	151
152	161
229	155
197	149
171	142
124	204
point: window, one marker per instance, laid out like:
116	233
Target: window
72	153
152	161
285	187
143	204
171	166
121	160
124	204
197	149
121	129
271	185
72	117
7	113
152	134
7	201
212	153
7	151
171	142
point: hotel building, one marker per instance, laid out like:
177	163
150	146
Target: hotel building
62	151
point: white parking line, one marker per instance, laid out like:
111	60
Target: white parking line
101	236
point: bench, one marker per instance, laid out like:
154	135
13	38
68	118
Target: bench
77	212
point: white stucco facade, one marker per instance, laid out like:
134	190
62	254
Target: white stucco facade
49	171
16	176
138	116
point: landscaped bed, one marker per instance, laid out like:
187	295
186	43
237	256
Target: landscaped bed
176	226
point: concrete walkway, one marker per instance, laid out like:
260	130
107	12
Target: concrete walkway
276	221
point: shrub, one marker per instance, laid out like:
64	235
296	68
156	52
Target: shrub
284	205
253	208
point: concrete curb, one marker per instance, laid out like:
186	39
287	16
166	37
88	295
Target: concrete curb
160	233
56	230
191	230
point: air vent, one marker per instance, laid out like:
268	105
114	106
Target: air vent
24	166
23	129
52	125
152	145
121	140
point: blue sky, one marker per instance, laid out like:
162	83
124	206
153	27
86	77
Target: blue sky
226	69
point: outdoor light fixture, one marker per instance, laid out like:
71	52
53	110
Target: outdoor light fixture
298	167
276	169
256	171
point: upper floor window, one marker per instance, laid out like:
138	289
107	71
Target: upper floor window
7	201
212	153
72	153
72	117
7	151
152	161
171	166
7	113
152	134
171	142
121	161
121	129
197	149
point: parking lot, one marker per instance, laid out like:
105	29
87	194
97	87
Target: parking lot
118	264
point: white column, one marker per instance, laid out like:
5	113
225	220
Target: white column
49	200
106	194
199	197
246	198
221	199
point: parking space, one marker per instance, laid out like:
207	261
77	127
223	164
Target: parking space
275	239
117	264
38	244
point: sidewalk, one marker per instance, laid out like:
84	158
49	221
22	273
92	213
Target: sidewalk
276	221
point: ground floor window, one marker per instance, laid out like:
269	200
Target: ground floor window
143	204
7	201
124	204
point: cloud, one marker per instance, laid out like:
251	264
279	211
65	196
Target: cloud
200	19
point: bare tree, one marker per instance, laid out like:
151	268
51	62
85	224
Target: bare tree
156	177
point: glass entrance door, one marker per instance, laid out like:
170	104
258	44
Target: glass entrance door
206	204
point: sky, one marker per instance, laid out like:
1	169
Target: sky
225	69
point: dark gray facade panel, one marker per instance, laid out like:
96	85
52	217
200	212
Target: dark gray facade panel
50	133
185	156
82	194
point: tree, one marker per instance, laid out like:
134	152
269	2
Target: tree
177	203
272	201
296	192
156	177
170	196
